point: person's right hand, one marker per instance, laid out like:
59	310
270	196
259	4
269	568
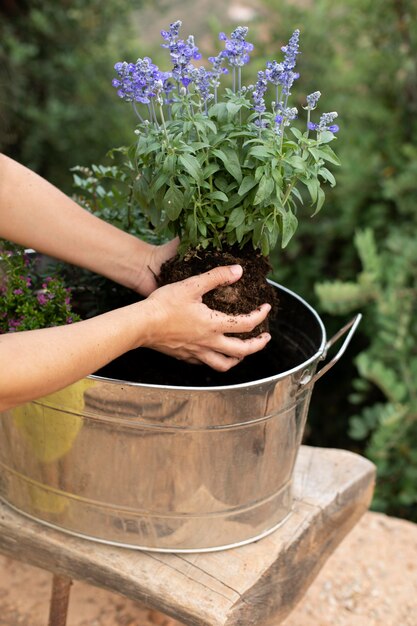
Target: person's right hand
181	325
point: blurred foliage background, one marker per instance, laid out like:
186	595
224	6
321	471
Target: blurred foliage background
58	109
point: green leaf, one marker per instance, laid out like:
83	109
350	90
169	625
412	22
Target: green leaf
297	163
295	192
173	202
327	154
327	175
289	226
218	111
169	164
240	231
221	183
260	152
326	136
266	187
320	201
231	162
192	166
296	132
218	195
313	186
161	180
246	185
233	108
315	153
236	218
210	169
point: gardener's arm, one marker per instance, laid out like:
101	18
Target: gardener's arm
37	215
173	320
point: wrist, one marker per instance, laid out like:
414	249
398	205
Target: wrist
133	265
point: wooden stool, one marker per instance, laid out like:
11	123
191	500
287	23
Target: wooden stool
256	584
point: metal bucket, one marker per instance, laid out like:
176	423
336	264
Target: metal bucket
169	468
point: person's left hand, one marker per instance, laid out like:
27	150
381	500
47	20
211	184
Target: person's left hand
151	265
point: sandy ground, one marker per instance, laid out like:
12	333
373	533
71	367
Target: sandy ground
371	580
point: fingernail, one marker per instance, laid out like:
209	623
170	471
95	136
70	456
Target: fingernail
267	336
267	306
236	270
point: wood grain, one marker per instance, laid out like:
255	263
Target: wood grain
256	584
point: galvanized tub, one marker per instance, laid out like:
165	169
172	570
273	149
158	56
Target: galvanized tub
169	468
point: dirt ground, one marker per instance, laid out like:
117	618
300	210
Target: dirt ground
371	580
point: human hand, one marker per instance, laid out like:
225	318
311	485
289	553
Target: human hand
181	325
151	263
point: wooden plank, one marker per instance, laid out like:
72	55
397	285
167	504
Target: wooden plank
255	584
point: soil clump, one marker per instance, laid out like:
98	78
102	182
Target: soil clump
242	297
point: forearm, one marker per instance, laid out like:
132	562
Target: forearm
37	215
38	362
173	320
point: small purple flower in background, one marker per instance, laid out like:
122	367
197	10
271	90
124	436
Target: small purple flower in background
288	76
312	100
182	52
137	81
236	53
14	324
274	72
284	118
325	123
42	299
237	48
172	34
259	92
217	69
202	81
43	307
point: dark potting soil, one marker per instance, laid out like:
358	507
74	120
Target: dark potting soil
241	297
154	368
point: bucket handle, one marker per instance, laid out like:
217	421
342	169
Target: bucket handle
352	325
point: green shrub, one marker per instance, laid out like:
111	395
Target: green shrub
55	66
366	62
386	290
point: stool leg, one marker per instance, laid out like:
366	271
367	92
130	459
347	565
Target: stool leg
58	607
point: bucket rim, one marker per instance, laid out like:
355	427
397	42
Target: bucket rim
253	383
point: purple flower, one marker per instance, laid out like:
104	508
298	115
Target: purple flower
173	32
137	82
236	48
202	81
288	77
284	118
182	53
18	292
217	69
312	100
259	92
274	72
42	299
14	324
282	73
325	123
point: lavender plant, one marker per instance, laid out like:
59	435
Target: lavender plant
225	171
28	301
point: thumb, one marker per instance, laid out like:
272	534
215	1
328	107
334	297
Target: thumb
224	275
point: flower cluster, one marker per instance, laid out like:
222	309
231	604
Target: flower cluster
27	302
225	172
